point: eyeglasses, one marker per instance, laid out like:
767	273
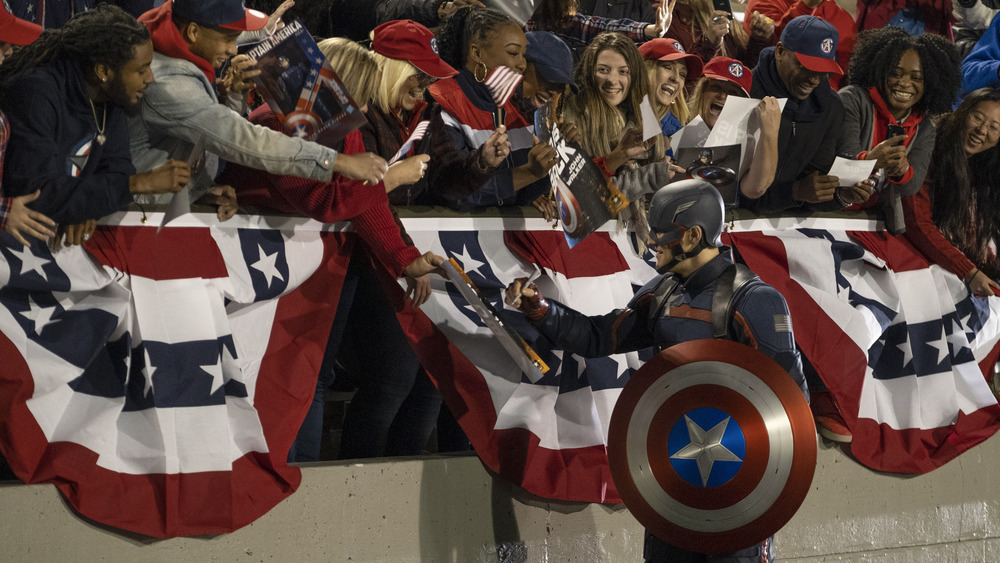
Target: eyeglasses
976	119
424	80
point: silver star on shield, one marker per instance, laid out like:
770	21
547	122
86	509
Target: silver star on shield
706	447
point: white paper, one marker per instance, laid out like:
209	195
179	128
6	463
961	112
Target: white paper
731	127
180	204
693	134
851	171
650	125
734	119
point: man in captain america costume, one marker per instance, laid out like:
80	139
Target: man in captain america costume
699	294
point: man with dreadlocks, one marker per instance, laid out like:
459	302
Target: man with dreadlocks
700	293
65	96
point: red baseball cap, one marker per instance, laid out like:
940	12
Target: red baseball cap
229	14
667	49
407	40
725	68
16	31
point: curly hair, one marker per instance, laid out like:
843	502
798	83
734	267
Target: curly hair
465	25
878	52
105	35
964	190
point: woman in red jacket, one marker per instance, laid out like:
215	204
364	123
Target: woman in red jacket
955	217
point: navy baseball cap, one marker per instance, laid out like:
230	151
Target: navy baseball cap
814	42
229	14
552	58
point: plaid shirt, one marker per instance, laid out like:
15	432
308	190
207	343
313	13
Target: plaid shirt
585	28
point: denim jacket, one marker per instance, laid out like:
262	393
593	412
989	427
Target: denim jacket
181	107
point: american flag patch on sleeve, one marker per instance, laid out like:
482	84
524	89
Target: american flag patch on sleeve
782	323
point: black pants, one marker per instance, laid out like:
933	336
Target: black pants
655	550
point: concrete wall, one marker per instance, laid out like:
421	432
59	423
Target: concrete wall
449	509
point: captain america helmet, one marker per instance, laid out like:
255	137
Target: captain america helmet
681	205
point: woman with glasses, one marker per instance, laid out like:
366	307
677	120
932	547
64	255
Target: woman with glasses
895	82
954	218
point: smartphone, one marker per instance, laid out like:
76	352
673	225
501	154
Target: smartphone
722	5
894	130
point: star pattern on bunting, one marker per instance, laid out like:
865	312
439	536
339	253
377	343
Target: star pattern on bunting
267	265
40	316
30	262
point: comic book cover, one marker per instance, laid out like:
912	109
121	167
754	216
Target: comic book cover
586	199
302	89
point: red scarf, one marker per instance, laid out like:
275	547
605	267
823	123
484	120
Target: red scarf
168	41
883	117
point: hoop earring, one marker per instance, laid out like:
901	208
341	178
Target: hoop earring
475	73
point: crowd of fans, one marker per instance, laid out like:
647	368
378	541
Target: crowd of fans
104	105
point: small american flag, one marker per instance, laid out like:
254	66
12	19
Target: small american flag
502	82
418	133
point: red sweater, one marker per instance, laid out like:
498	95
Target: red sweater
339	199
924	234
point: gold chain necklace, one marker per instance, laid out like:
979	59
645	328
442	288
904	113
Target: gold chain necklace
104	121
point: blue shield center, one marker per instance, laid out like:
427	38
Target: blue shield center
706	447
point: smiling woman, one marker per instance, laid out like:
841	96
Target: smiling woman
955	217
895	82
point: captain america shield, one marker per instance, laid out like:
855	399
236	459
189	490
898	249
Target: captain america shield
712	446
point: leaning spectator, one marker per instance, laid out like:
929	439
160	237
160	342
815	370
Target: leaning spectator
798	68
393	369
669	70
65	96
899	81
726	77
955	217
476	41
192	39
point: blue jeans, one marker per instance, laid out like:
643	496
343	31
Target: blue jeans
395	406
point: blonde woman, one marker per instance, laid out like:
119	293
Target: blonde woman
393	373
726	77
669	69
407	55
